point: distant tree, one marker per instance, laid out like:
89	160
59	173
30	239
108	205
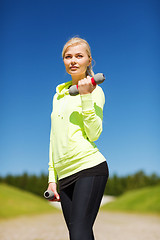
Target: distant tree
116	185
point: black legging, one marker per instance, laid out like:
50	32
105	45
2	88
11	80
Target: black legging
80	204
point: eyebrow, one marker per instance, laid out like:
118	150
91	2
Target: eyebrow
75	54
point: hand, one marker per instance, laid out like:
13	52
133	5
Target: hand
53	187
85	86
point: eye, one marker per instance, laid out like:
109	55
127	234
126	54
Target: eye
68	57
79	56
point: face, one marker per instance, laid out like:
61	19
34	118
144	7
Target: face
76	60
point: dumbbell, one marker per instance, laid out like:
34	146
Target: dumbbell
97	79
49	195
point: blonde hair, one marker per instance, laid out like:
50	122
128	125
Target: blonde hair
77	41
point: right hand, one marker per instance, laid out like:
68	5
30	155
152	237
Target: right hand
85	86
53	187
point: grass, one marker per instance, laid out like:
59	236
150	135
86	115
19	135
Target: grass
145	200
15	202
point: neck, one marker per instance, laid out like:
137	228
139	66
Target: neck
76	78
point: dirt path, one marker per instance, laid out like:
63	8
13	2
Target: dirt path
108	226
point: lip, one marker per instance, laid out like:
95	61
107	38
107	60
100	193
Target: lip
73	67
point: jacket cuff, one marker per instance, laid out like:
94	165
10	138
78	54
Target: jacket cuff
52	176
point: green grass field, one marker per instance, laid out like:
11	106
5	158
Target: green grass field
15	202
145	200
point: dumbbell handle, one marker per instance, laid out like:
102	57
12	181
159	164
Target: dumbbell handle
49	195
97	79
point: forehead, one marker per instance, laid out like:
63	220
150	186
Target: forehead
80	48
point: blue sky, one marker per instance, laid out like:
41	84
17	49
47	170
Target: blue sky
124	37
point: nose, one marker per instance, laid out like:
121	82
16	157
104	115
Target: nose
73	60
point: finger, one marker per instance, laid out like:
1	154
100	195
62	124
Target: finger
82	81
55	199
89	78
57	196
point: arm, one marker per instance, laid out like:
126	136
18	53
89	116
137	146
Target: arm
52	172
92	111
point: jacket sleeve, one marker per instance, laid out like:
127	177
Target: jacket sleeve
52	172
92	112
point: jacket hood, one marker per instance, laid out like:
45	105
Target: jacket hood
62	89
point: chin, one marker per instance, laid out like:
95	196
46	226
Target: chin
74	73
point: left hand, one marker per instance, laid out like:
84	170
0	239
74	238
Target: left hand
85	86
53	187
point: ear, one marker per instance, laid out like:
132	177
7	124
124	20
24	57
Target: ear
90	61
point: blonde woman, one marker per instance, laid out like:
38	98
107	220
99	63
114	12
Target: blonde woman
75	161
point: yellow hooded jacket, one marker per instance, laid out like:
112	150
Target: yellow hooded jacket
76	122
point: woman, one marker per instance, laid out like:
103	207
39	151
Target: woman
75	161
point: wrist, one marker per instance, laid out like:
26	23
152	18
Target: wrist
52	183
85	93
